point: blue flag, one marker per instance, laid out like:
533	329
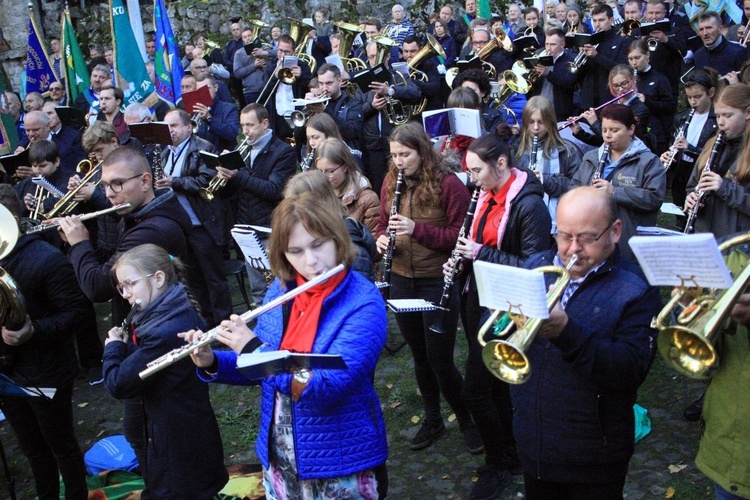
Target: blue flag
167	64
39	72
130	69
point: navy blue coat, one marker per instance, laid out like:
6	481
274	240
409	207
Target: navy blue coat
727	56
224	126
594	75
69	148
563	84
185	458
573	419
347	113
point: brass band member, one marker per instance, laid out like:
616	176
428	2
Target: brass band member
511	223
433	206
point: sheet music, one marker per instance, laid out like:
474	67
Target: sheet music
467	122
251	247
511	289
693	257
672	209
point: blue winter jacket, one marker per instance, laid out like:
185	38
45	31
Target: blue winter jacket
338	423
573	419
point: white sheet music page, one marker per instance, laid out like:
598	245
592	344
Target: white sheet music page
511	289
689	259
251	247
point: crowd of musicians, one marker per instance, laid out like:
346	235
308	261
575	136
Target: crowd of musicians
580	143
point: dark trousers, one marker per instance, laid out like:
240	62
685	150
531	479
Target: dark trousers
487	397
681	174
134	430
376	166
537	489
206	277
434	367
44	429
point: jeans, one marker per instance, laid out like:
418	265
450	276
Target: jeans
537	489
434	367
44	429
487	397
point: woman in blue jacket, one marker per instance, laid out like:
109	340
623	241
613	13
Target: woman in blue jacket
321	431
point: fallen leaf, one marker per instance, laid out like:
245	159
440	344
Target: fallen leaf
390	386
82	405
396	404
670	492
474	479
414	419
240	403
447	476
80	422
674	469
420	477
452	417
100	433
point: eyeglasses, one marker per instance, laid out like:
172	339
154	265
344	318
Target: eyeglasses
329	173
200	67
583	239
127	285
116	186
623	85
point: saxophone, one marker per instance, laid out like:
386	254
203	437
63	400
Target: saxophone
388	255
708	167
439	325
600	167
673	149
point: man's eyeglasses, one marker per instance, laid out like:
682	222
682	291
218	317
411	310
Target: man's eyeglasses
116	186
583	239
329	173
127	285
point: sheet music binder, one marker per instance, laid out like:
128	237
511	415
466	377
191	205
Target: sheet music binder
252	248
258	365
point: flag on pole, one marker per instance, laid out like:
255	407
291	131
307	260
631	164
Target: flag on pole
39	72
483	9
167	64
76	73
130	70
136	23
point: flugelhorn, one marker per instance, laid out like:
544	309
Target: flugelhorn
206	338
208	193
689	343
506	359
67	203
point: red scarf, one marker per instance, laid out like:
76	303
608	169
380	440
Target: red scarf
303	322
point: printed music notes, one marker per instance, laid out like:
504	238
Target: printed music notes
507	288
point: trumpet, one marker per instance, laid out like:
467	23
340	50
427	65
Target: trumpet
578	118
708	167
438	326
388	255
54	225
506	359
744	39
300	118
208	193
627	27
196	121
600	166
206	338
680	135
579	61
652	44
689	344
43	191
67	203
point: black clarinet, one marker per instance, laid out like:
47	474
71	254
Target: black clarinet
533	154
388	256
712	157
439	325
129	318
680	134
600	166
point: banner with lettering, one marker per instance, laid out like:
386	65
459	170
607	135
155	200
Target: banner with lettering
39	72
167	64
130	69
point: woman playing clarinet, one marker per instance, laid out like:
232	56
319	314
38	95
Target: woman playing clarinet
432	208
511	224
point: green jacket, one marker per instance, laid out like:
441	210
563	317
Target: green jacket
725	438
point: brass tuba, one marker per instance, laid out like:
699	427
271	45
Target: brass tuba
506	359
12	303
431	49
689	343
348	33
299	30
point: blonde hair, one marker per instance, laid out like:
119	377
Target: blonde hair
552	139
314	181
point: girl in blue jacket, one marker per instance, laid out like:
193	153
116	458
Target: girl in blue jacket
321	431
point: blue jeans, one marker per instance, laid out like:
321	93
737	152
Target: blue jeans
722	494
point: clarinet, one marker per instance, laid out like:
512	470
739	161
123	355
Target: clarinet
600	167
439	325
158	168
307	160
673	149
533	154
708	167
129	318
388	256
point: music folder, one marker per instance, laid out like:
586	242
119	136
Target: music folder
249	47
582	39
231	160
11	162
526	43
151	133
200	96
258	365
452	121
530	62
70	116
379	73
473	63
663	25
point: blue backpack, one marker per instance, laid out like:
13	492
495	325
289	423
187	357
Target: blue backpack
110	453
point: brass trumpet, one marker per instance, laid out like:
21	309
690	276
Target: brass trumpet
506	359
67	204
689	344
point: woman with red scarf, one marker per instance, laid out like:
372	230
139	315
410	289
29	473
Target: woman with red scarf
321	431
510	224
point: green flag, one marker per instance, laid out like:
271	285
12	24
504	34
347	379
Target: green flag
76	73
483	9
130	69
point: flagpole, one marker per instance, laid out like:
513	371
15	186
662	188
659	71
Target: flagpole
114	44
64	60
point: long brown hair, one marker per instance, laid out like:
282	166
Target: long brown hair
337	152
735	96
552	139
431	173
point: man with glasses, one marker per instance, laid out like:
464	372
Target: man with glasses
200	69
500	60
57	94
573	419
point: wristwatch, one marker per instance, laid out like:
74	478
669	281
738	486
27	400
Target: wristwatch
299	382
391	91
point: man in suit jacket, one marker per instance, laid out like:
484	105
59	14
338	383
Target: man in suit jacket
556	82
259	185
66	138
611	51
220	123
186	174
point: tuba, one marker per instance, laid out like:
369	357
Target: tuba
258	25
395	112
431	49
348	33
12	303
299	30
506	359
689	342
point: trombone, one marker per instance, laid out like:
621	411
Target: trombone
208	193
